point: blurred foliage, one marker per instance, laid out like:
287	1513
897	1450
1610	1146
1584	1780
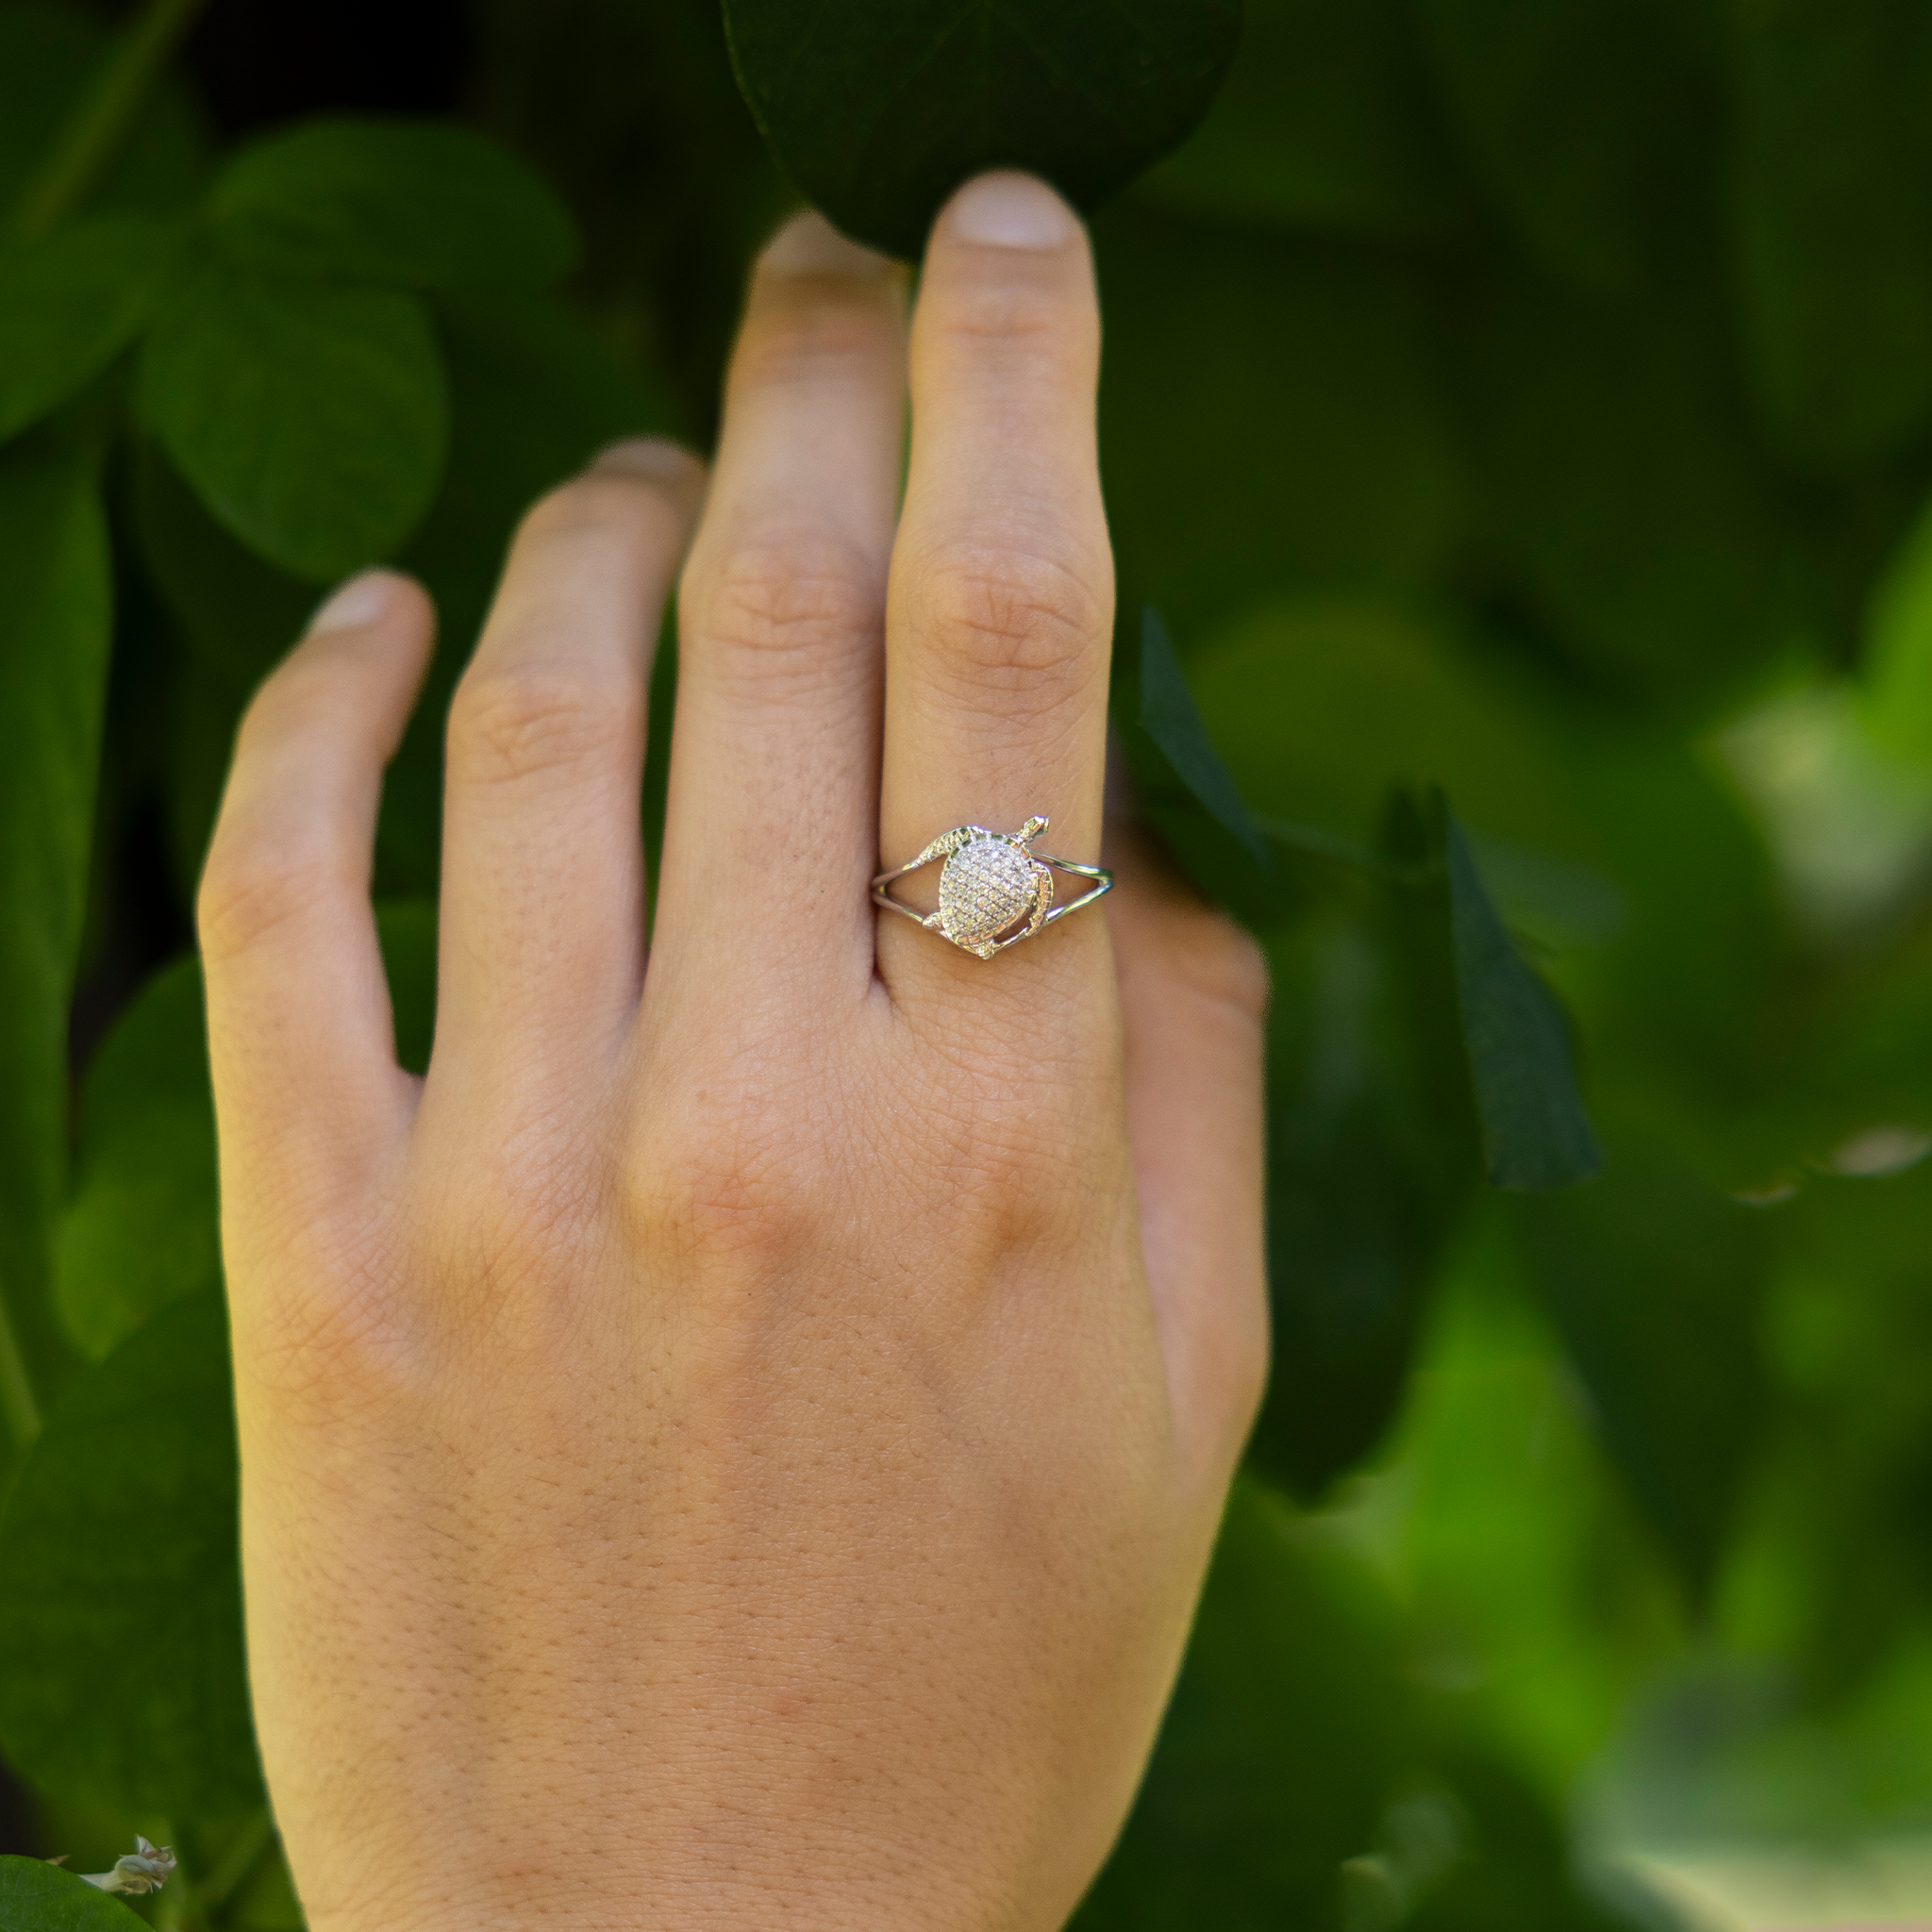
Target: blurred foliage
1517	425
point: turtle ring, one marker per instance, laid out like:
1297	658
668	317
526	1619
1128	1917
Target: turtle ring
993	891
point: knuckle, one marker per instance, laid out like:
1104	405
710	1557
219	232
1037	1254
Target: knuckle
786	595
1043	323
1011	627
254	883
810	336
538	714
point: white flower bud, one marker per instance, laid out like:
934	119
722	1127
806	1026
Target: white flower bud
142	1869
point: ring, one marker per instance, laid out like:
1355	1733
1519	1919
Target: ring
991	883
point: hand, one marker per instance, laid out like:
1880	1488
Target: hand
738	1443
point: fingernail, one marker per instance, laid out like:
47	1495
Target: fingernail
362	600
808	245
1009	211
651	456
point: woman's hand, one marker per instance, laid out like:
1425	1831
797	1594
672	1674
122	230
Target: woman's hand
739	1443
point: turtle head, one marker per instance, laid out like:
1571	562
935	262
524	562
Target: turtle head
1031	829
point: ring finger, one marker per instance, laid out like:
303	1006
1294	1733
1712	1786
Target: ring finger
1000	612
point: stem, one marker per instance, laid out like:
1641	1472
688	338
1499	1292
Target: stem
101	118
17	1404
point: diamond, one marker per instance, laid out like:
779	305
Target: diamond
987	886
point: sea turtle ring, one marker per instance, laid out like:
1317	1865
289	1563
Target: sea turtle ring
993	891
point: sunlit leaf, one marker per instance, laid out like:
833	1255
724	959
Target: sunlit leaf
879	109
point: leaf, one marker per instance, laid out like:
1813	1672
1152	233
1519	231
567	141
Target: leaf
879	109
403	204
1324	122
1362	1199
311	420
1287	1730
1656	1284
1535	1131
1170	718
38	1897
140	1229
1834	261
70	302
48	55
124	1684
55	610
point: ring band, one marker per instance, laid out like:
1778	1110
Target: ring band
993	884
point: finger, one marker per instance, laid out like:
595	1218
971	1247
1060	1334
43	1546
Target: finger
298	1012
542	924
1002	592
774	770
1193	994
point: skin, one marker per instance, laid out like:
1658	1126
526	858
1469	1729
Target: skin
739	1443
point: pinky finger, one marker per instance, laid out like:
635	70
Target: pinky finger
299	1028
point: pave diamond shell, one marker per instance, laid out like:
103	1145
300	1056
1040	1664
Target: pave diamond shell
987	885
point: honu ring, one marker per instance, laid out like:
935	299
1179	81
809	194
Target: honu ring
993	891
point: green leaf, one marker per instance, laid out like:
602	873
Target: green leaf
311	420
48	55
55	610
124	1683
70	302
1834	261
38	1897
140	1229
1287	1732
1170	718
408	203
1363	1196
1656	1284
1324	122
1535	1131
879	109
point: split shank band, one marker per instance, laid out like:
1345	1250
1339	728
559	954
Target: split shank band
995	891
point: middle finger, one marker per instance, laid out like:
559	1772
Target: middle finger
774	759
